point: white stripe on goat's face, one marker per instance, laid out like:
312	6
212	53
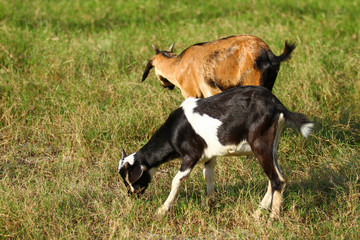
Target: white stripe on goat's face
130	159
207	128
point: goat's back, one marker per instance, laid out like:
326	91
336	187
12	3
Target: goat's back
241	101
242	109
227	62
225	46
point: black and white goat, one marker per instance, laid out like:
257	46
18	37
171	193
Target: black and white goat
240	121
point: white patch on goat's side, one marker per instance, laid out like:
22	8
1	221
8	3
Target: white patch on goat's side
306	129
207	128
204	125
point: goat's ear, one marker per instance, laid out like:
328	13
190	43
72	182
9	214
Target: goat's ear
148	67
155	48
171	48
135	173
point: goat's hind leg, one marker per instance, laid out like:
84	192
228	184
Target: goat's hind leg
209	173
267	156
265	204
266	201
272	199
278	182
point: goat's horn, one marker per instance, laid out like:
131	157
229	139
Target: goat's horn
171	48
155	48
123	153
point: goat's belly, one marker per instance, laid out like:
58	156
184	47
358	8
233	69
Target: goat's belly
243	148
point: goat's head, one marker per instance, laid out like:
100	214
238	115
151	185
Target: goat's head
136	178
169	53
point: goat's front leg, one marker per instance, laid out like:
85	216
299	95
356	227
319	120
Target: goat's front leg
209	173
178	179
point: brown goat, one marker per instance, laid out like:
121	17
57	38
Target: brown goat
206	69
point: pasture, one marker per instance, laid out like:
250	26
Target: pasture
71	96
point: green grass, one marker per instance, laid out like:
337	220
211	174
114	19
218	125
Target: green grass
71	96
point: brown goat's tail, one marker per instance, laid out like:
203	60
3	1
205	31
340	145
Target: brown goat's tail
286	54
268	64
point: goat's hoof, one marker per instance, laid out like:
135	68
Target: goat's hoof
162	211
275	216
259	212
208	203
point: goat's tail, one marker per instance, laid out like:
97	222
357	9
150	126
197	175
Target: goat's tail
286	54
300	121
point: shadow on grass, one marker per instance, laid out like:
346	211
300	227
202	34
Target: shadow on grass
335	173
345	131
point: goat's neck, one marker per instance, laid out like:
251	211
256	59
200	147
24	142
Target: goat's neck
158	150
166	66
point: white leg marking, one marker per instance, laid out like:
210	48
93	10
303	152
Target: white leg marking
178	179
266	202
209	172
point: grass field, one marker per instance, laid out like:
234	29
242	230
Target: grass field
71	96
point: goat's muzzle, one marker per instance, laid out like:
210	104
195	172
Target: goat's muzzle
171	87
166	83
